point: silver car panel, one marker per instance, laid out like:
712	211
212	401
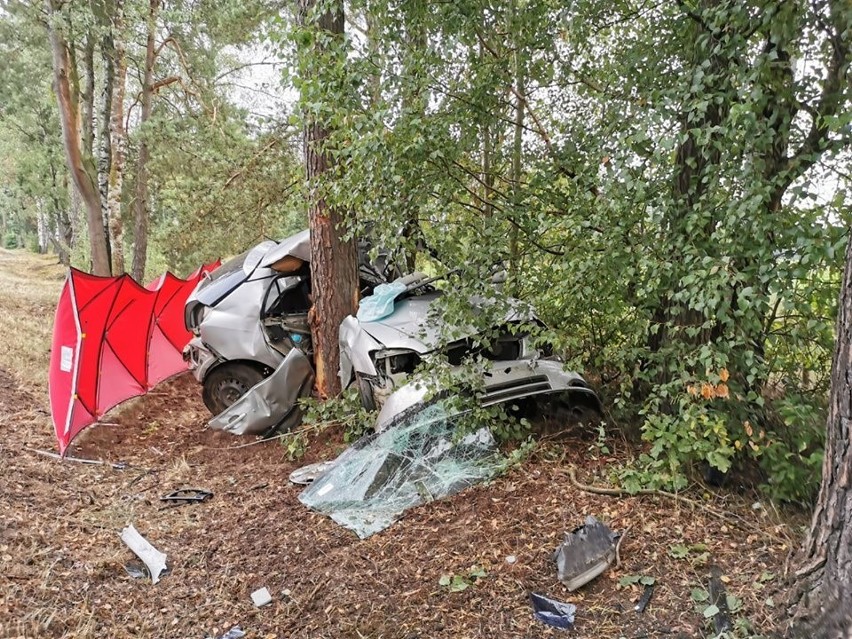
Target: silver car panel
298	245
504	382
226	331
272	402
355	348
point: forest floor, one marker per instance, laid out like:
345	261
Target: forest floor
62	562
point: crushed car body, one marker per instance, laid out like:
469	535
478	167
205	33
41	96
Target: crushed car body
379	351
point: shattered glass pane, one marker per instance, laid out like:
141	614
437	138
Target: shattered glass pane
416	460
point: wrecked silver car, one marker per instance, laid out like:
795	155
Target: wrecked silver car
249	320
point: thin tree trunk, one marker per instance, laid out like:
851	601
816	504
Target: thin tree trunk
517	157
822	582
115	178
62	236
334	274
413	104
105	142
42	228
88	97
82	177
141	211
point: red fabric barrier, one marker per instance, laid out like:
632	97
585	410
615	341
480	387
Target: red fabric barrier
113	340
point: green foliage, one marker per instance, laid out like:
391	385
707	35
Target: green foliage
10	240
630	580
345	410
461	582
295	445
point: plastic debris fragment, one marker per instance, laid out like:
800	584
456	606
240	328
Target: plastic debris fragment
585	553
554	613
261	597
153	558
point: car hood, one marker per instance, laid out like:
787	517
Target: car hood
407	327
411	327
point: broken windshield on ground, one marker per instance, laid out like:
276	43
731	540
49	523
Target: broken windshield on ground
420	458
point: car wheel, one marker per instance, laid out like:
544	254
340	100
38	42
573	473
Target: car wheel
365	390
227	383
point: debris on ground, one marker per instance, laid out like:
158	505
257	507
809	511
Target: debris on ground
645	599
418	459
554	613
585	553
152	558
186	496
136	571
234	633
308	474
261	597
718	607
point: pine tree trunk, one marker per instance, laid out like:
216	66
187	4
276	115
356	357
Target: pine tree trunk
334	274
141	212
822	582
68	114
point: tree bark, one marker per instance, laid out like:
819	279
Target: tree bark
519	64
334	274
822	582
105	141
62	236
141	210
68	114
115	178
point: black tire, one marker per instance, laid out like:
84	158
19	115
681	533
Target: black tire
365	390
226	383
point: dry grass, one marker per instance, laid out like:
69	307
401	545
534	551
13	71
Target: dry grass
29	288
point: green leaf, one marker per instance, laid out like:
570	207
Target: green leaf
711	610
459	584
629	580
699	595
477	572
678	551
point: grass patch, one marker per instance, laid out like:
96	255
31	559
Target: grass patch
29	290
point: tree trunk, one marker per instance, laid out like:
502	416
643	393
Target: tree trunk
42	228
822	583
141	212
105	142
517	158
62	231
334	273
414	102
88	97
115	178
80	174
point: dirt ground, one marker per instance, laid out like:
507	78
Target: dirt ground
62	563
